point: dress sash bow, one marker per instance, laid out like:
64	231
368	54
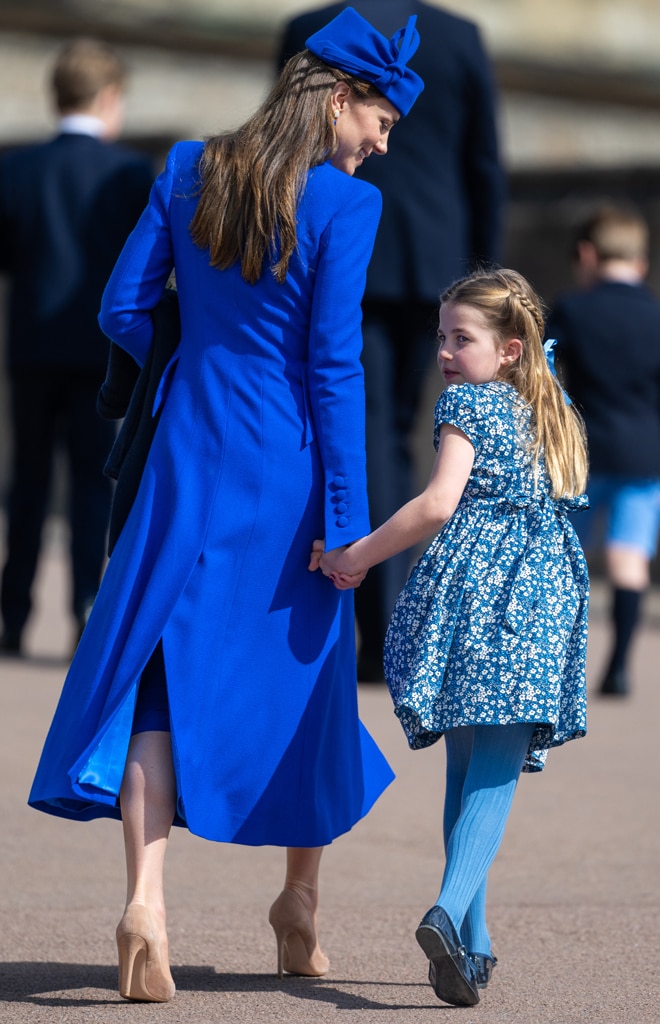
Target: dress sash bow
542	550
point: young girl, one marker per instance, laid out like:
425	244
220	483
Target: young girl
487	642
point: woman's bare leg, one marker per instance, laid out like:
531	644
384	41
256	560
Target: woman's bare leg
302	873
148	803
293	914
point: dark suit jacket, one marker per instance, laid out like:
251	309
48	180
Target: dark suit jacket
441	180
66	209
608	354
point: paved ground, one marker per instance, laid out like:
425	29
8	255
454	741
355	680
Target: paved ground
574	895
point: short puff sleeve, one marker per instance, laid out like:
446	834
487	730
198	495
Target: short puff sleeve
460	406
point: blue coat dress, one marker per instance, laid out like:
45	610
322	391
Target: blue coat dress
259	450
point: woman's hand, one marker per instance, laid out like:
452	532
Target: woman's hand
318	547
343	581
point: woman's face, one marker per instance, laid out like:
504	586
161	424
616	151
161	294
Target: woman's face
362	127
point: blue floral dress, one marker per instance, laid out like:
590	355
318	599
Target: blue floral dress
491	627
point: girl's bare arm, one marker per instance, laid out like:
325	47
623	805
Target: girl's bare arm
420	518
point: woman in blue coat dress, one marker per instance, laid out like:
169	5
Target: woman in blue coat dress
214	685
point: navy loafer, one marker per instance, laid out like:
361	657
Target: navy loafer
484	965
451	972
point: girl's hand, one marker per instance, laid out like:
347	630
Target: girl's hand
325	560
333	562
320	559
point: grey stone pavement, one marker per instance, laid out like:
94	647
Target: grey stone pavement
574	892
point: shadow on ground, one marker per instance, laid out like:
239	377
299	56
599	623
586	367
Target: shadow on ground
54	985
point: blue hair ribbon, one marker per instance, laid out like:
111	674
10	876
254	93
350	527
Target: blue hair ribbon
549	351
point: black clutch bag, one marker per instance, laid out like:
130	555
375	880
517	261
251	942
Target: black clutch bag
129	391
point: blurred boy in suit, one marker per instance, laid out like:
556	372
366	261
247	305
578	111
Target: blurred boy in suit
66	208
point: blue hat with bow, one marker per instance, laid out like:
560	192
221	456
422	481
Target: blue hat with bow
349	42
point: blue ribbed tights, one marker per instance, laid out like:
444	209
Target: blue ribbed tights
483	765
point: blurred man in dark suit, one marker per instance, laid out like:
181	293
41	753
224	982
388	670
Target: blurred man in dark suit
443	195
66	209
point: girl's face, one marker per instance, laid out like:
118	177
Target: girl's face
469	352
363	127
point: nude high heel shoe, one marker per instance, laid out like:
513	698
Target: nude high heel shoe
144	970
298	950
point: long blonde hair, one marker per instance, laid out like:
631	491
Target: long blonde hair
252	178
511	309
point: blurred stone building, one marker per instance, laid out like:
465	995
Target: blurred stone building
579	97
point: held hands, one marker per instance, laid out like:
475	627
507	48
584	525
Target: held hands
329	562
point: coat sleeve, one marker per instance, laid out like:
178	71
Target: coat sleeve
141	272
336	379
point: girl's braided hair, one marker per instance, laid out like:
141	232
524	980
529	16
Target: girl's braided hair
511	309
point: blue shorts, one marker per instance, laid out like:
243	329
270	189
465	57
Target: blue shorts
622	510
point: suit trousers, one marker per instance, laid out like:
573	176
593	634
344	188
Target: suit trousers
50	406
399	343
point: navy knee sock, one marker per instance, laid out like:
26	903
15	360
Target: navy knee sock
625	614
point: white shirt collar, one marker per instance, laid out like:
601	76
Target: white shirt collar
81	124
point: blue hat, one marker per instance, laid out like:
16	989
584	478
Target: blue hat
349	42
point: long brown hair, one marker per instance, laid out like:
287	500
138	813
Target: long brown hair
252	178
511	309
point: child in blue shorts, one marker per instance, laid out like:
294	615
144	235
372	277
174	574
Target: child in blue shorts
608	351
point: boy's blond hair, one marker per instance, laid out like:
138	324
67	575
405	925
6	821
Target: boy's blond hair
82	69
616	233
